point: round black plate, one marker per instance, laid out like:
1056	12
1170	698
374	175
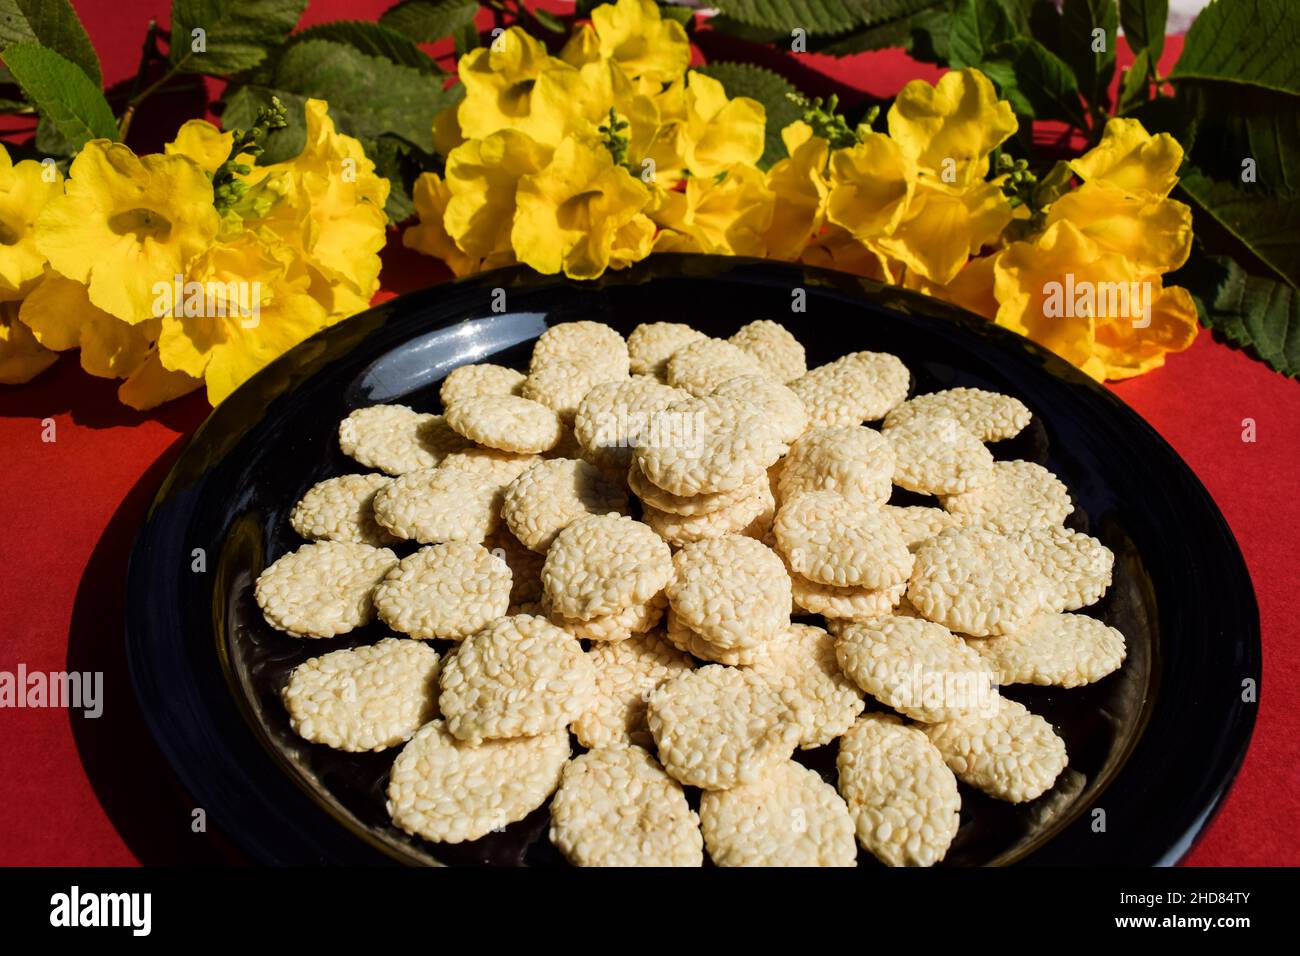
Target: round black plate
1153	748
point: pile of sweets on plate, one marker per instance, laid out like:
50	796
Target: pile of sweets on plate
534	604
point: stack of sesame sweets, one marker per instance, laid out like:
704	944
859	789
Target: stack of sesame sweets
665	644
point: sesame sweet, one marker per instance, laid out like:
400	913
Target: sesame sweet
322	589
446	591
616	807
901	794
518	677
364	698
449	791
342	509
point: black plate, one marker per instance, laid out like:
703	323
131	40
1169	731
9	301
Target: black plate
1154	746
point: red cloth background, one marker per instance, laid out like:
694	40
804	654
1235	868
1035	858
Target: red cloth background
76	791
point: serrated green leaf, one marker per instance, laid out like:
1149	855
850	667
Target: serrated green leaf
63	94
240	106
683	15
373	39
1144	25
931	29
1253	312
1037	83
977	27
1268	226
817	16
746	31
237	34
425	21
1247	42
1045	25
1093	68
1263	127
1134	88
1018	11
467	38
879	36
770	89
369	96
53	24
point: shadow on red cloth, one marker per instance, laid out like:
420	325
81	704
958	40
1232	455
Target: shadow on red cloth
64	388
130	777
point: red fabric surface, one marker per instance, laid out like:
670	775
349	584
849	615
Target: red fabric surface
77	791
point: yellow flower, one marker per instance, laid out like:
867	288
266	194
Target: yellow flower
126	222
22	358
1089	305
836	249
483	177
634	35
972	288
1127	351
729	214
25	189
346	207
950	128
633	242
943	226
570	212
1131	159
703	131
583	46
1153	233
151	384
244	303
203	143
429	235
871	184
62	316
515	84
800	192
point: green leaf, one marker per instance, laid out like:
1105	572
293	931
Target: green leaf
52	24
1144	25
879	36
401	164
1263	127
1253	312
1267	226
467	38
668	11
746	31
1135	88
817	16
373	39
368	96
1248	42
237	34
425	21
550	21
1045	24
1037	83
62	93
1093	68
770	89
977	27
931	29
240	106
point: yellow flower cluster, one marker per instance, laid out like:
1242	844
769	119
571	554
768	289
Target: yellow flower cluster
614	149
130	261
